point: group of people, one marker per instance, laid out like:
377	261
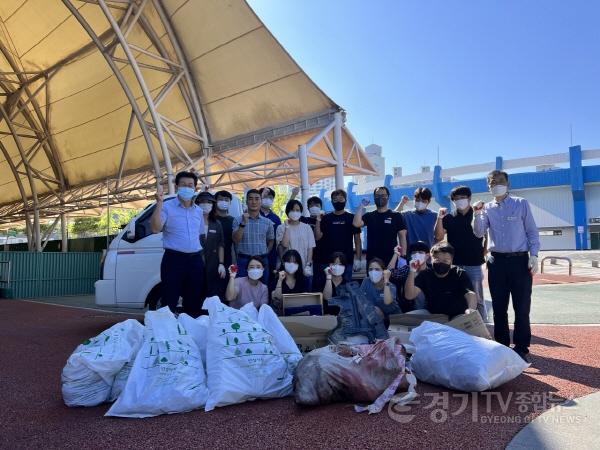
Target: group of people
417	260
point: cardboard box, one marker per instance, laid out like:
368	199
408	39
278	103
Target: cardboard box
414	320
309	332
294	304
400	331
472	324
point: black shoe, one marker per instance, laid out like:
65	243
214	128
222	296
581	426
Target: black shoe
523	356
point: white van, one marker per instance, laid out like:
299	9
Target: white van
130	270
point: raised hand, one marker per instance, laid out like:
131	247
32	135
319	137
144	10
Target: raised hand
295	191
478	207
233	270
365	202
281	275
386	275
245	218
159	194
415	265
404	200
442	212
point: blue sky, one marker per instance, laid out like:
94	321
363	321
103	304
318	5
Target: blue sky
478	78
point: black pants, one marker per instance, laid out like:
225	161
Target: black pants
182	275
509	276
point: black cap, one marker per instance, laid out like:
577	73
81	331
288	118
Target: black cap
204	196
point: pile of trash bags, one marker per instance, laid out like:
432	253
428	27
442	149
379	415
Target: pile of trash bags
178	364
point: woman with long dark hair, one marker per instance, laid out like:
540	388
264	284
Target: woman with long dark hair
290	279
212	246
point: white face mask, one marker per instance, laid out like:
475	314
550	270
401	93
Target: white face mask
421	257
499	190
295	215
338	269
267	202
255	274
420	206
314	210
462	203
375	275
206	207
290	267
223	205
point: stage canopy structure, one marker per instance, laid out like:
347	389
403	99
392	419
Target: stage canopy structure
100	100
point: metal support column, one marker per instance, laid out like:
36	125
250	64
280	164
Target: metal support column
339	154
63	233
304	181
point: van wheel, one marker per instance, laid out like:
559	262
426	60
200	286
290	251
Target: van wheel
154	300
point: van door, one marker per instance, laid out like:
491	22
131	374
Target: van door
138	263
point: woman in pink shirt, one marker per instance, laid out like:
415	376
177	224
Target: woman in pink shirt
247	289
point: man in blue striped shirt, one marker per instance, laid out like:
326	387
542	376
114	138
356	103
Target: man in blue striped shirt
182	223
514	245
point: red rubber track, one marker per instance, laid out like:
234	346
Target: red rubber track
36	340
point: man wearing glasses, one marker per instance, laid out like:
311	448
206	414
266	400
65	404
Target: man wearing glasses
385	228
514	245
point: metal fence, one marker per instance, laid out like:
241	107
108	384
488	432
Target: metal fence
50	274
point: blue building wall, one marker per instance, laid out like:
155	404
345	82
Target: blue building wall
576	176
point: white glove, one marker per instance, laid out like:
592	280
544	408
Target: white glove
308	272
356	265
222	271
533	264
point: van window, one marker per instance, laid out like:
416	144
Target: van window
142	224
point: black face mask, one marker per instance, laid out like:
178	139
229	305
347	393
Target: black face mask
441	268
338	206
380	202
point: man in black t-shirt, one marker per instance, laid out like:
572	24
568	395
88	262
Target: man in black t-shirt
335	232
469	249
447	288
385	228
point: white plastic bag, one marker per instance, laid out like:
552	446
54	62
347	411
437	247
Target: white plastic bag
198	330
88	376
167	375
242	361
454	359
281	337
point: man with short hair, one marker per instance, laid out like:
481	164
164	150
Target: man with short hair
335	232
253	235
447	288
420	221
514	244
469	248
182	225
385	228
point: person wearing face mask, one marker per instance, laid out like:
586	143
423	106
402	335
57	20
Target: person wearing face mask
335	232
334	278
290	279
242	290
212	246
315	209
224	199
418	251
385	228
181	223
469	249
447	288
253	234
420	221
298	236
379	290
267	196
514	244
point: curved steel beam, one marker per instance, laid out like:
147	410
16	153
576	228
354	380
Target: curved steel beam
134	106
145	91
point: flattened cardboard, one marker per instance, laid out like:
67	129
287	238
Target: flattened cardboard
298	303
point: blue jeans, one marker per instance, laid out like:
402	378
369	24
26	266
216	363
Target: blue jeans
475	274
242	263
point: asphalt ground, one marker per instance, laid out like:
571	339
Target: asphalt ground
36	340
